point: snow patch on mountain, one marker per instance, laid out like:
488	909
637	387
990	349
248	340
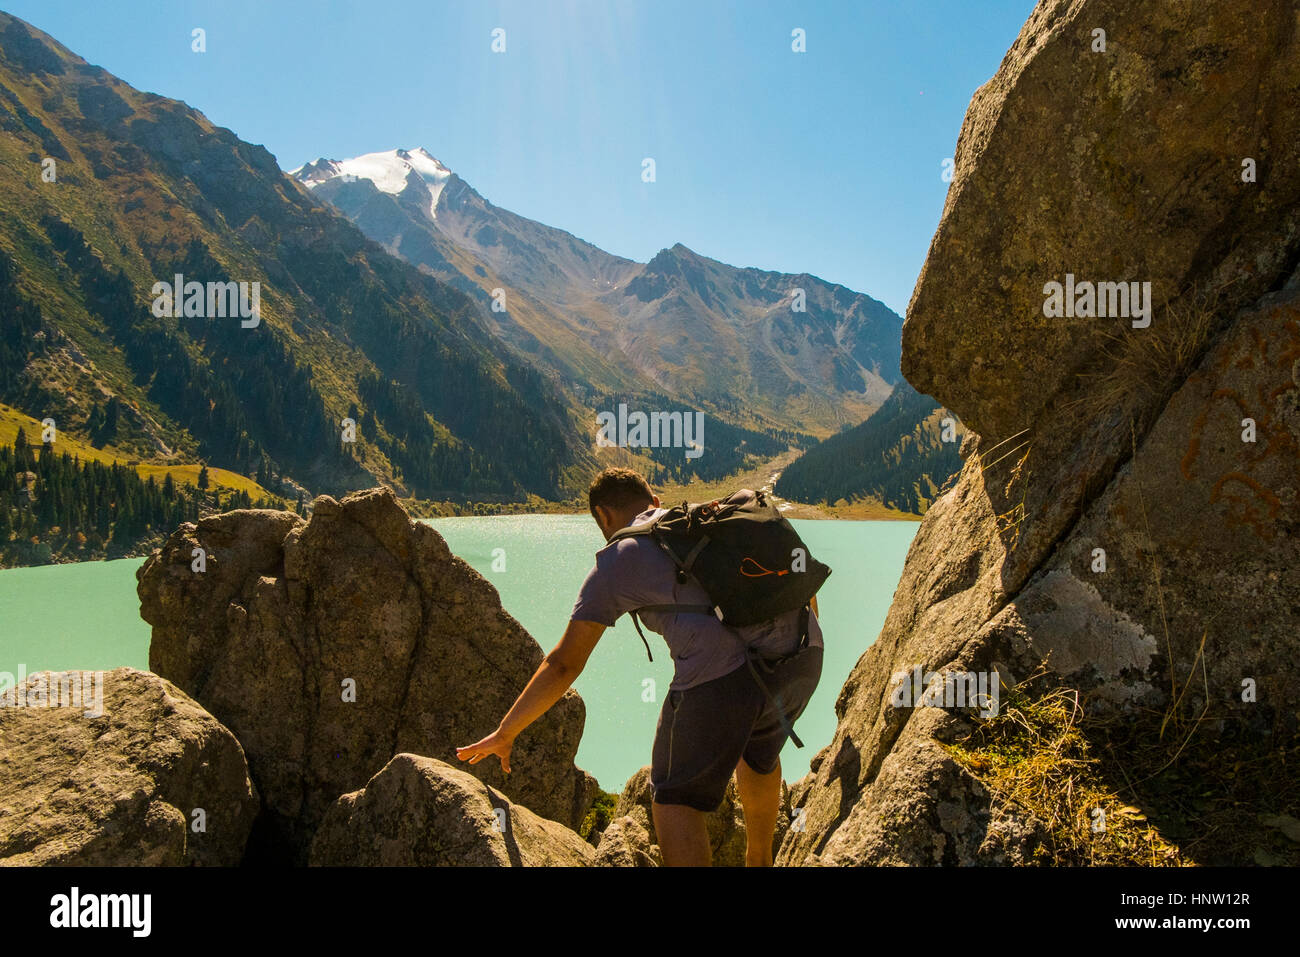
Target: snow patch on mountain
392	171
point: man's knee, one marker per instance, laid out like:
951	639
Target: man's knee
743	766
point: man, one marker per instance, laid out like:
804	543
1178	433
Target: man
716	719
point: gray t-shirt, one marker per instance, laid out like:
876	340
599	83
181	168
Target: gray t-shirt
633	572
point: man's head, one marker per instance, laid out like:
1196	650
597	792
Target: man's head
617	496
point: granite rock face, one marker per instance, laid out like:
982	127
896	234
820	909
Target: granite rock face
332	645
421	812
1129	490
1116	165
117	769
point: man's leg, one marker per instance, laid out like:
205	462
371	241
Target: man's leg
760	798
792	683
683	835
701	735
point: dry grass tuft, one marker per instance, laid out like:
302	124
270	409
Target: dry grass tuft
1034	754
1148	365
1139	788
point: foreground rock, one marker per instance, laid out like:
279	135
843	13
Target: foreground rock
421	812
332	645
121	782
1109	515
630	839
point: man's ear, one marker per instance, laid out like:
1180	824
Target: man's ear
656	499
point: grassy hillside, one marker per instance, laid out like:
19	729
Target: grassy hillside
11	420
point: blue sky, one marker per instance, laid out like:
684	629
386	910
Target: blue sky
825	162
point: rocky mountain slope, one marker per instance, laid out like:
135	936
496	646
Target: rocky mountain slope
1128	506
722	339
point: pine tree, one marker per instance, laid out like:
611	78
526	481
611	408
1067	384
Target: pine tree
111	415
22	452
95	425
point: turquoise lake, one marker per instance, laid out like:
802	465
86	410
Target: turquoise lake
87	616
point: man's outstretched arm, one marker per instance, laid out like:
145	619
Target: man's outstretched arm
553	677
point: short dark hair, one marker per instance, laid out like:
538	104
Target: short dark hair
618	488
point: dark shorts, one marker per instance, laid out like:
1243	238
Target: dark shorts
704	731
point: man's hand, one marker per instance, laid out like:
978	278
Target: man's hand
547	686
495	743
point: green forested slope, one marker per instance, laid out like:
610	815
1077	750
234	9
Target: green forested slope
897	457
108	190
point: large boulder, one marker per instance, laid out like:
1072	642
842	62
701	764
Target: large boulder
1113	517
331	645
626	842
630	840
422	812
118	768
1117	166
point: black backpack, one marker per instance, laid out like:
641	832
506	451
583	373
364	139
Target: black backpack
745	555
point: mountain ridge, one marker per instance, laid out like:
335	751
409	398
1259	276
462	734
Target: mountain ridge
603	320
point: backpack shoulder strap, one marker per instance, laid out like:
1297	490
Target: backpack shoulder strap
631	531
653	532
634	614
645	528
636	622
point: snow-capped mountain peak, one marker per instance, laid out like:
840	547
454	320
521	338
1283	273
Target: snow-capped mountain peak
391	171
